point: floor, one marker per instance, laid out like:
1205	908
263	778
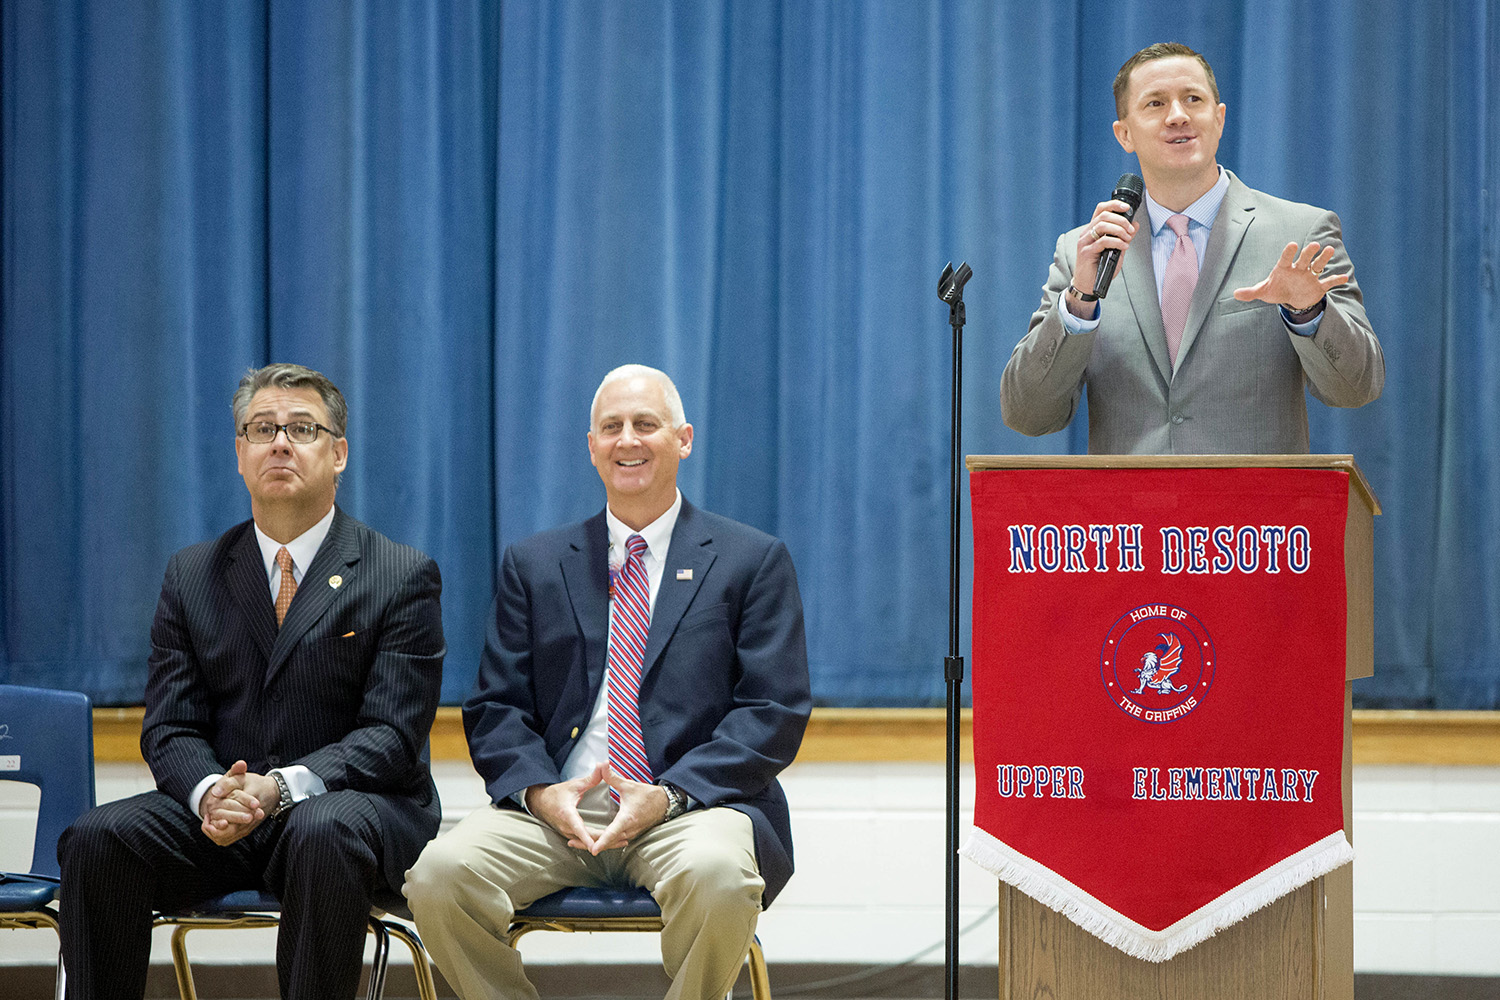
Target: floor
826	982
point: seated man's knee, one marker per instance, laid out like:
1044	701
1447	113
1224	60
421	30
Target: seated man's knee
716	876
96	836
319	832
442	877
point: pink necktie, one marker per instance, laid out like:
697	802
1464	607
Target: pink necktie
1178	284
288	585
628	627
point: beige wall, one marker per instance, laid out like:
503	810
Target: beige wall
869	885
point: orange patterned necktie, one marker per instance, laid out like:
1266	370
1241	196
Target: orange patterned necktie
288	585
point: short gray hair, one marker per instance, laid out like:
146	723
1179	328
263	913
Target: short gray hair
288	376
674	400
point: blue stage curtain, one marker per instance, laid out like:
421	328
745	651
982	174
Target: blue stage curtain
466	212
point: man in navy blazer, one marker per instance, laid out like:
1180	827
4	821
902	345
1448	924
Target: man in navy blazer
295	667
723	701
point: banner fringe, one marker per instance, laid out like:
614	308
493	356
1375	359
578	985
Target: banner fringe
1119	931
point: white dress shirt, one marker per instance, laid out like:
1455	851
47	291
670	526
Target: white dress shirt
300	780
592	747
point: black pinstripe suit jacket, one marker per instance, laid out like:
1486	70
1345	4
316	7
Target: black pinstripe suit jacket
348	686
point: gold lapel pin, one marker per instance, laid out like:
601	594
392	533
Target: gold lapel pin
335	581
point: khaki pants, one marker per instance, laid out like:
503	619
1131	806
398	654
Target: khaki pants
700	867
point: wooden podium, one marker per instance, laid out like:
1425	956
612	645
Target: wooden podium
1300	947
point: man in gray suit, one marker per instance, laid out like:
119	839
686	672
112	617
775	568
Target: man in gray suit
294	674
1221	316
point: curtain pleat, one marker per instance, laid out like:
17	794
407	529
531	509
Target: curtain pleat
465	212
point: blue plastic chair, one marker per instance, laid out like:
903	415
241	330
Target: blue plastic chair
47	740
583	909
249	908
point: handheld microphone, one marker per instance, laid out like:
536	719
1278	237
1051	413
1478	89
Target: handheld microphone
1129	189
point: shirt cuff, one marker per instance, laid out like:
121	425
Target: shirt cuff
1306	329
1072	324
200	790
301	781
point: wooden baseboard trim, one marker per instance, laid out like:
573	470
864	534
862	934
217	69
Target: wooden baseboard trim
918	734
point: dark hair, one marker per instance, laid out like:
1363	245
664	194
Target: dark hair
285	376
1161	50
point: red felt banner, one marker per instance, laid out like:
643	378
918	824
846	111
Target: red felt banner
1159	659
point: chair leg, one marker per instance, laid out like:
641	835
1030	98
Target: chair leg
380	959
185	987
421	965
760	980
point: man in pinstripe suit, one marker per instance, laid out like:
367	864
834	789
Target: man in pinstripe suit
294	675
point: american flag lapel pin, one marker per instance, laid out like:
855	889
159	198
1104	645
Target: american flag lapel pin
684	574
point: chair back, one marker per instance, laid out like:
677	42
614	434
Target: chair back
47	740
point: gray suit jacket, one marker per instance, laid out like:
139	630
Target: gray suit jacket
1239	382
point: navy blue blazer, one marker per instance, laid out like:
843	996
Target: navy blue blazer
348	686
724	697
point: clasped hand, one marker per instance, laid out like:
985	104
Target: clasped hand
642	807
231	807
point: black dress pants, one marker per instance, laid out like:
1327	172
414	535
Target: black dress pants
126	859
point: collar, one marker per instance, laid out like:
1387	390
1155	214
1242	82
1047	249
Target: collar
302	548
1203	211
658	534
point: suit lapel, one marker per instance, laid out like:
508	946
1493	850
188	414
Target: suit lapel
690	549
585	571
337	556
245	576
1140	288
1234	218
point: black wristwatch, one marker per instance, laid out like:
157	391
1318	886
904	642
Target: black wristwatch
676	801
1308	313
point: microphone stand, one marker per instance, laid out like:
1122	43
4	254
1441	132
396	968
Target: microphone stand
951	291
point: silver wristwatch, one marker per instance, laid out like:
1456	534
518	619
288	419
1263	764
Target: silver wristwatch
285	802
676	801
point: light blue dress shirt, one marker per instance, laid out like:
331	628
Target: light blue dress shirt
1201	215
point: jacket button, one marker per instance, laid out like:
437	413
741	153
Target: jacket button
273	760
1177	418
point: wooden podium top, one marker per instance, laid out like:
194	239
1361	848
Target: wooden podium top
1345	463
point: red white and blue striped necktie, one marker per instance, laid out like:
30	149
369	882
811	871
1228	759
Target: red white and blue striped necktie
629	624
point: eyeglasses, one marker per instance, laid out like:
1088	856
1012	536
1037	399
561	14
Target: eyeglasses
297	432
